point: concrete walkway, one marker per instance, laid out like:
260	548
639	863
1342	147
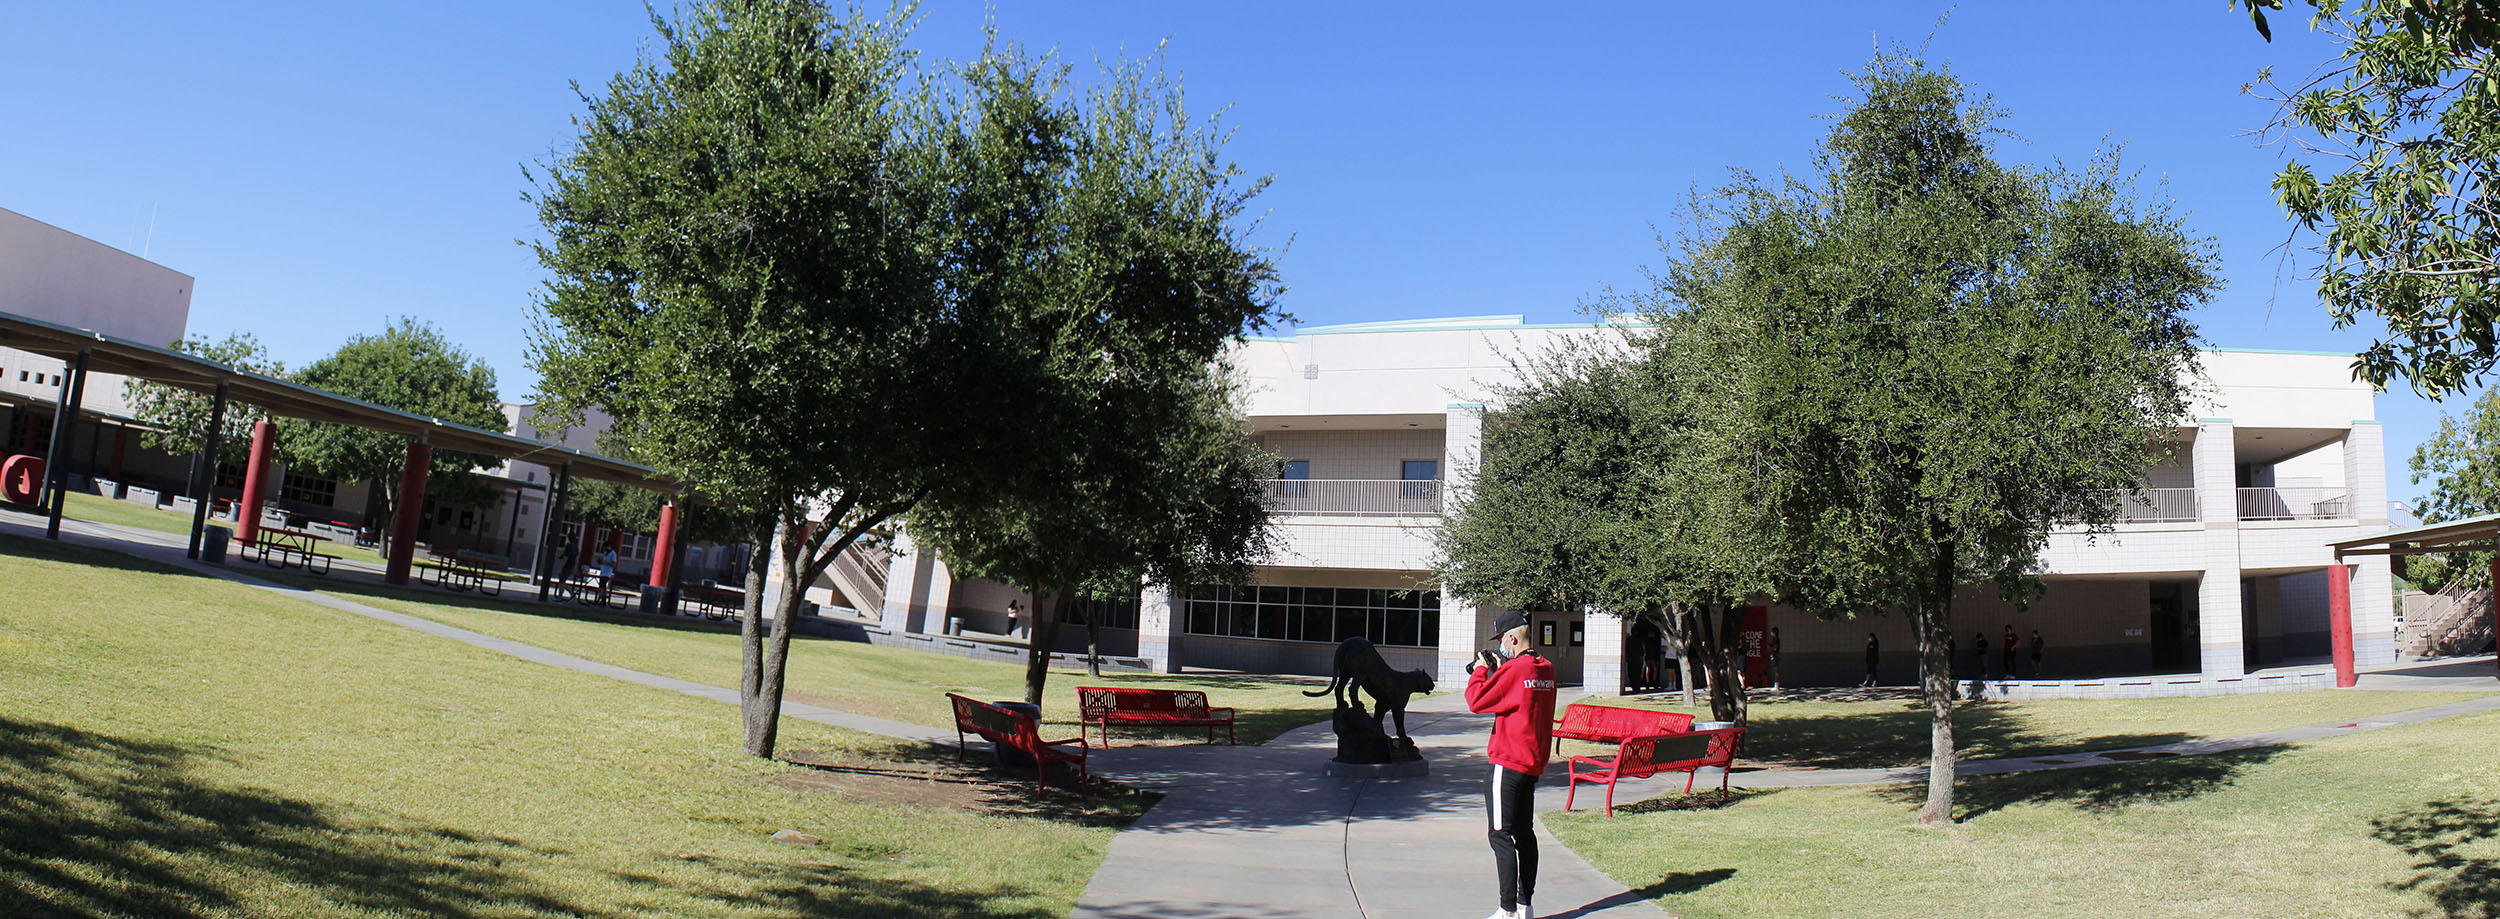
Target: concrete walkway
1260	833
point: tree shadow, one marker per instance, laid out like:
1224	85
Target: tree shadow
89	556
2459	885
2130	782
1896	738
93	825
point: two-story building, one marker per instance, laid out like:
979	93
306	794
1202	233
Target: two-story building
2219	568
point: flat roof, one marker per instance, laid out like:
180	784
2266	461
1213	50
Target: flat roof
2472	533
294	400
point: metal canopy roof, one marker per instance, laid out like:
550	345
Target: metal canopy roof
294	400
2473	533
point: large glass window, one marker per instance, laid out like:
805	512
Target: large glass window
1316	614
1116	613
1418	478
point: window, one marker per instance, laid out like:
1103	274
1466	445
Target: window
1116	613
1297	474
305	488
229	475
1404	618
1418	477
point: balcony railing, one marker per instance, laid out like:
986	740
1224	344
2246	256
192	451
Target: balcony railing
2294	503
2158	505
1353	497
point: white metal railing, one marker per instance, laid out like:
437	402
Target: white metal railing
2157	505
2457	621
2294	503
1354	497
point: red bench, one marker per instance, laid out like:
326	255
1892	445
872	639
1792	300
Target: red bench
1608	724
1008	730
1171	708
1642	757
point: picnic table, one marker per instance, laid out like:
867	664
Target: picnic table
713	603
284	548
452	572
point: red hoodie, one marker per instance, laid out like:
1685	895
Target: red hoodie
1520	697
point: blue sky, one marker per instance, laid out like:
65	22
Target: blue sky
320	168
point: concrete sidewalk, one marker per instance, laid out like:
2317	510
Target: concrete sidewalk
1260	832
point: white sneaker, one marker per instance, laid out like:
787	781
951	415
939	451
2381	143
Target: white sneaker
1503	914
1524	912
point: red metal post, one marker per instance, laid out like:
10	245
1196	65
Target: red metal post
2495	606
255	482
121	442
408	510
666	550
2339	621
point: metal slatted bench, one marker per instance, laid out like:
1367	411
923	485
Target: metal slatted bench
1010	730
1641	757
1170	708
1611	724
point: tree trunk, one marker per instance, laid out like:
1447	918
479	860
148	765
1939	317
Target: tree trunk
1048	606
1726	659
760	655
1933	618
1093	647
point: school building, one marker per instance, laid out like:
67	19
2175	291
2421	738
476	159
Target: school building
2219	570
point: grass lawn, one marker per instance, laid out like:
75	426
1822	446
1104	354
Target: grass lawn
174	745
2395	822
1892	733
896	683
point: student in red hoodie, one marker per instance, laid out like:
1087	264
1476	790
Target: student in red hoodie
1516	686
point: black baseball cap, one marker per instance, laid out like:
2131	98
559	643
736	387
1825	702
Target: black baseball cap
1508	620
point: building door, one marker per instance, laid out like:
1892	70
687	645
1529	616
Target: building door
2168	625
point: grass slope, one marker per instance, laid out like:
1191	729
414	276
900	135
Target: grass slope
174	745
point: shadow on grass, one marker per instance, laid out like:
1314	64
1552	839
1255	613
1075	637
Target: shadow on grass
1002	791
2095	788
1679	882
1699	800
49	550
93	825
1894	738
2460	885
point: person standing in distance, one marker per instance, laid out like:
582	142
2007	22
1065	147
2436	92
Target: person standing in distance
1874	656
1516	686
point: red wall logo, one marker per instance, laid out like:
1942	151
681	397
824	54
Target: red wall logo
21	478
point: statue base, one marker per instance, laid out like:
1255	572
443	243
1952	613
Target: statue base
1404	769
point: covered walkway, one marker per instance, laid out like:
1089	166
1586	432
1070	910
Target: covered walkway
43	481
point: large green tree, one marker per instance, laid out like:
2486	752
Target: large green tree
1100	236
177	419
743	242
1590	491
1927	359
409	366
2397	168
2462	463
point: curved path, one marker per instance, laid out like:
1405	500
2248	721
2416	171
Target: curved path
1260	833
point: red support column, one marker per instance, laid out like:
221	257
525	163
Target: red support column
2495	606
405	513
121	442
255	482
666	550
2339	621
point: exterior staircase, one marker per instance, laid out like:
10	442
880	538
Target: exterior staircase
858	575
2456	621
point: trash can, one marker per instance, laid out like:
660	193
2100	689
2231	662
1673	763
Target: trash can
1007	757
213	544
1709	772
954	625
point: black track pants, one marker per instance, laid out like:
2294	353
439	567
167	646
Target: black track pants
1509	806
